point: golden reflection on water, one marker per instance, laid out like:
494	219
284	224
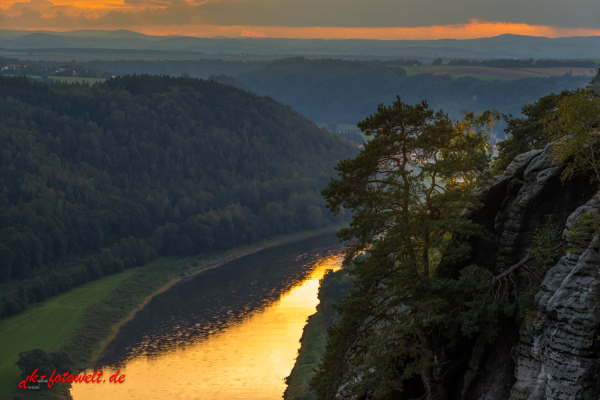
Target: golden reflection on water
248	360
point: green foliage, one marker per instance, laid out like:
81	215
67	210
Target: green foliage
589	394
588	224
47	327
203	68
97	179
408	188
576	133
352	136
531	315
529	133
7	256
333	286
411	179
228	80
44	362
547	243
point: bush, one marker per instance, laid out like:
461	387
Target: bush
118	265
547	242
45	363
106	262
38	288
11	307
93	267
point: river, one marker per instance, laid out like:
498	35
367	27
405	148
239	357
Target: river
229	333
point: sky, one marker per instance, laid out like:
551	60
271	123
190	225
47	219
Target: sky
368	19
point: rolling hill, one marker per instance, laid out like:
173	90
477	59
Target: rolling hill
97	179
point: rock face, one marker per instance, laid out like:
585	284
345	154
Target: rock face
556	355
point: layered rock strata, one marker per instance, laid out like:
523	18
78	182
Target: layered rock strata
555	356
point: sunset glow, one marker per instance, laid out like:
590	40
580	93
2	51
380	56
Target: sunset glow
178	17
472	30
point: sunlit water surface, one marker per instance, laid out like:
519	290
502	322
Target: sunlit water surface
230	333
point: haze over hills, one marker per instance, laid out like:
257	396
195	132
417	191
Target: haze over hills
503	46
346	92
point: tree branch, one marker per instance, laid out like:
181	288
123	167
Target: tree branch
512	268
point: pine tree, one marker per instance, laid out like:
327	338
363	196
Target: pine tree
407	190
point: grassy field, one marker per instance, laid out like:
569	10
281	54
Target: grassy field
83	320
491	74
558	71
47	326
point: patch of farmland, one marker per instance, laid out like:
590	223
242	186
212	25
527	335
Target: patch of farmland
552	71
498	73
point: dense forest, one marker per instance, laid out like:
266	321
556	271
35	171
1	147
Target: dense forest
344	91
201	68
194	68
97	179
348	91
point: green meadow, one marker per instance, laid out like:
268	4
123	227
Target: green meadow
49	325
314	340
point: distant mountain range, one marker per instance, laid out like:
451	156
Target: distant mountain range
503	46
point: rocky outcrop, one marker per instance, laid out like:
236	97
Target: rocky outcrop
556	355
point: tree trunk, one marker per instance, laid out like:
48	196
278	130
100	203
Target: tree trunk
435	390
425	257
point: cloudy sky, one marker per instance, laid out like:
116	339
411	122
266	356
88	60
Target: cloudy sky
377	19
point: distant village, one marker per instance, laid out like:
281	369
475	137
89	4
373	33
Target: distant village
13	67
9	67
61	71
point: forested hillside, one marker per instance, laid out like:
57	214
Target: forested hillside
195	68
97	179
344	91
347	91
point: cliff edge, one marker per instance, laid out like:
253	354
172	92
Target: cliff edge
555	354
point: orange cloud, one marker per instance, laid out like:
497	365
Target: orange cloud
253	34
182	17
472	30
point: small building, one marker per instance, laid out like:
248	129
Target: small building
13	67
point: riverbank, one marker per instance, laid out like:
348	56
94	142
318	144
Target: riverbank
314	337
101	308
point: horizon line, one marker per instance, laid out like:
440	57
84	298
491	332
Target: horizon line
242	36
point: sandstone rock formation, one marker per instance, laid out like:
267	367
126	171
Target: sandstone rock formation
556	355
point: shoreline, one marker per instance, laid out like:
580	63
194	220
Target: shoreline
113	301
214	261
